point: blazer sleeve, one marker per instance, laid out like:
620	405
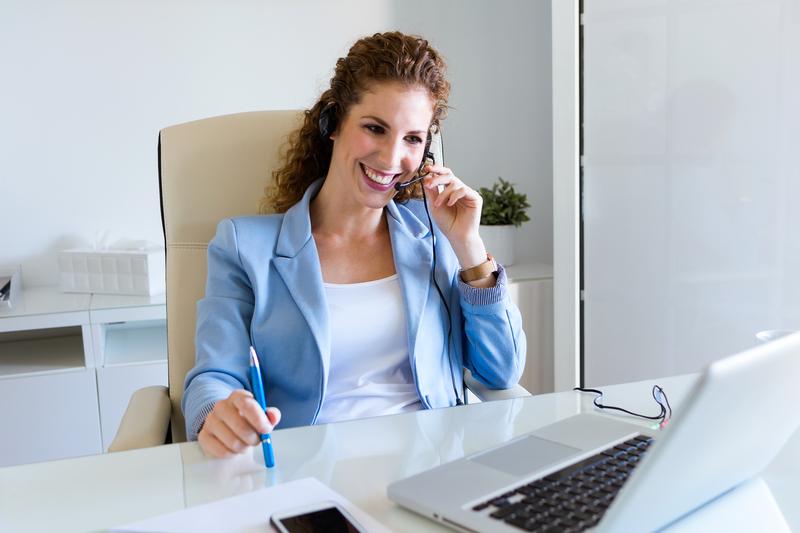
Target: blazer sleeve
494	342
222	338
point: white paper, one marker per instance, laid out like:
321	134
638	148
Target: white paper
250	511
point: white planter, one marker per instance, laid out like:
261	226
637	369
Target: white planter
499	241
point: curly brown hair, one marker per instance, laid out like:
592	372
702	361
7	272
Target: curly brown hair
383	57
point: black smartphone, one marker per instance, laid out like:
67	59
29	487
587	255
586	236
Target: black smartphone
327	517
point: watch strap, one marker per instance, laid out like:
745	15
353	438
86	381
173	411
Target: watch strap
481	271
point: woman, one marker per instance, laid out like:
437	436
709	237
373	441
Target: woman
335	292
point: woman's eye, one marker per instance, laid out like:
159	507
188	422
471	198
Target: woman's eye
374	128
413	139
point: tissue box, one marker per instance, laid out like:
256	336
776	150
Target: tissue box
138	272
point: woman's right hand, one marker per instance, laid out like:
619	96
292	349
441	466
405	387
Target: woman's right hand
235	424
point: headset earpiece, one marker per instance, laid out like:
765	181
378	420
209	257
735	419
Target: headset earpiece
328	120
427	156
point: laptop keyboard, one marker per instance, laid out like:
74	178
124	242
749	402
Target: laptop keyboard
572	499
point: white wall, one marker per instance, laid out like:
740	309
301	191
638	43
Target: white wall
87	85
499	58
691	123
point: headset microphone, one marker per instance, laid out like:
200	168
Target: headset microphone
427	160
400	186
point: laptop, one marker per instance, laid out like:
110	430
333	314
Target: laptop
595	472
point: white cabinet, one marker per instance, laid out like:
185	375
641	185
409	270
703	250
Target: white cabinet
116	384
130	342
50	415
68	366
531	288
135	356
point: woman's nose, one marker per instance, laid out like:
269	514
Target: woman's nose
393	155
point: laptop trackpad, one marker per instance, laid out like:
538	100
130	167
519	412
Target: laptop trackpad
525	456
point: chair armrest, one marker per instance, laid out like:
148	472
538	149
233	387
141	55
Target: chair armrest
145	421
485	394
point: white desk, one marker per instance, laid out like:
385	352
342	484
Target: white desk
357	459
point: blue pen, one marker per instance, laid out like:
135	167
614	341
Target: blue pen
258	392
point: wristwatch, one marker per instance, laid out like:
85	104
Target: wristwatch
483	270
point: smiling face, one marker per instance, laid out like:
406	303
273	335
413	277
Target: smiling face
380	142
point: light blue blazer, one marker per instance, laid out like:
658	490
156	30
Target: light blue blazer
265	289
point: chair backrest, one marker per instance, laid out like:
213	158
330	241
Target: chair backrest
210	169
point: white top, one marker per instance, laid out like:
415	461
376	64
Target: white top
370	373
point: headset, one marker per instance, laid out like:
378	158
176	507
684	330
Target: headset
328	122
328	119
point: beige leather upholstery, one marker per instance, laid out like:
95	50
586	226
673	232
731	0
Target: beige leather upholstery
146	420
210	169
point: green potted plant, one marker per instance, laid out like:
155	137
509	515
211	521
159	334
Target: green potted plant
503	212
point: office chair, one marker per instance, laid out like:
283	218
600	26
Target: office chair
211	169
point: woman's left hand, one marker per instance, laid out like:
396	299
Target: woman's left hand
457	212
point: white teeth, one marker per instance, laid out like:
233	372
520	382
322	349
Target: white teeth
377	178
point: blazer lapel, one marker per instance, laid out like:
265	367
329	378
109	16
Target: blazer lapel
411	245
297	262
